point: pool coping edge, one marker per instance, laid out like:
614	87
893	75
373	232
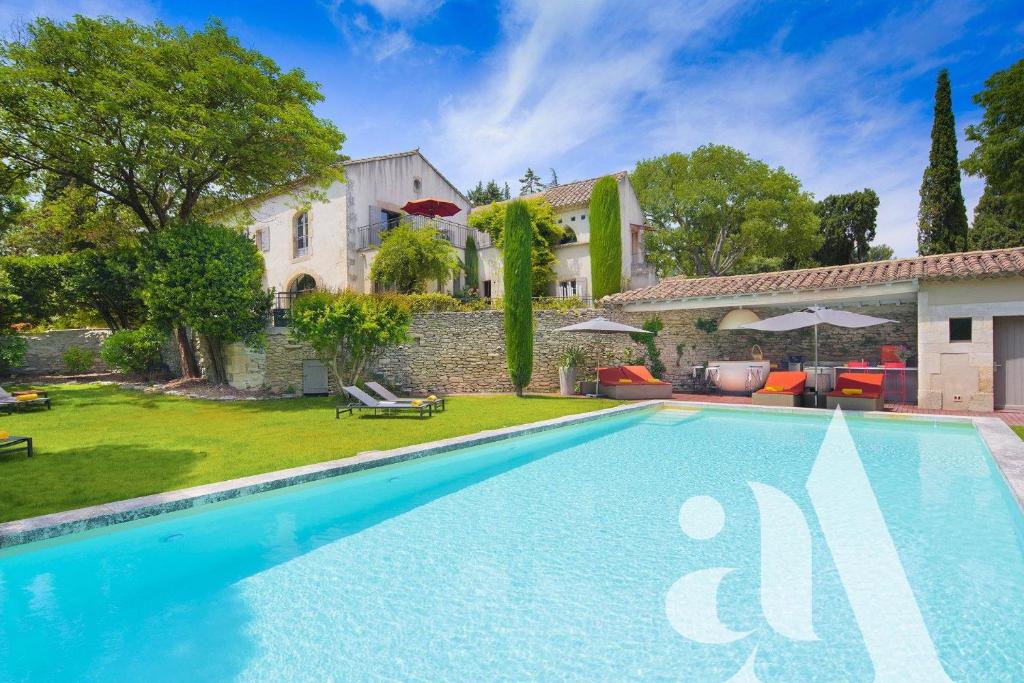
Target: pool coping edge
31	529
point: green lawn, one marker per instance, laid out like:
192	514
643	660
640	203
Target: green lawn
1019	430
100	443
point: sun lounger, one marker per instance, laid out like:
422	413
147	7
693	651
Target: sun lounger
631	382
858	391
386	394
363	401
12	402
781	389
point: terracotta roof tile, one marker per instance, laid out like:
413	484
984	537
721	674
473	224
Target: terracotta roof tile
574	194
974	264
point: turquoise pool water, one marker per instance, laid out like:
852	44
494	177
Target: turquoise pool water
548	556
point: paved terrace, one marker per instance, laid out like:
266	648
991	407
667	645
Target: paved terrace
1012	418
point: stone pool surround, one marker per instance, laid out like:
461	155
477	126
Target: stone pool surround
1006	447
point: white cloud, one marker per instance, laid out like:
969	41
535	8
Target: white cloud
591	87
380	37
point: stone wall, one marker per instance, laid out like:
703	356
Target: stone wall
44	351
465	352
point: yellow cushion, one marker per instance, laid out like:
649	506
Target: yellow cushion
853	392
3	436
417	402
431	398
772	387
27	397
625	381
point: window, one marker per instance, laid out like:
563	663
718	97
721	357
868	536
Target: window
261	238
389	219
487	289
573	218
583	216
567	288
304	284
417	185
302	234
959	329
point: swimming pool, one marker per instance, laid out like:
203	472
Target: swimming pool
658	544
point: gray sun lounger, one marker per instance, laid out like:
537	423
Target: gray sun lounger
9	403
386	394
363	401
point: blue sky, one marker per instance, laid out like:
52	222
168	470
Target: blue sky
839	93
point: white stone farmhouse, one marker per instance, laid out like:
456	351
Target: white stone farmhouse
330	243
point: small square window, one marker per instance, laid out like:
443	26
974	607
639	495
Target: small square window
959	329
573	218
583	216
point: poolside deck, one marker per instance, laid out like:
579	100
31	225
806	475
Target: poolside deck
1013	418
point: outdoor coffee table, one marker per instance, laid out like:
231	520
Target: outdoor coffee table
15	440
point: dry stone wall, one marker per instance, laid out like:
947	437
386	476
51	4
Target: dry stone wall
44	352
465	352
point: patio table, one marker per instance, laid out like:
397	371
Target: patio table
13	440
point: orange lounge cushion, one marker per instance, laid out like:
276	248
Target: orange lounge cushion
869	383
639	374
784	382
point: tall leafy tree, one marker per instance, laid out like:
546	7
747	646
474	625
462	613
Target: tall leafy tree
942	215
530	183
880	252
716	210
546	234
482	195
995	225
605	238
209	278
349	331
507	192
410	257
847	226
169	124
472	264
518	301
999	156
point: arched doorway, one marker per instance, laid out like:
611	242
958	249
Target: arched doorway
303	284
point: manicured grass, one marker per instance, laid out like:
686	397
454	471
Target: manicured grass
1019	430
100	443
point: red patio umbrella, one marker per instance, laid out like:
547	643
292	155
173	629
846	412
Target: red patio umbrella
431	207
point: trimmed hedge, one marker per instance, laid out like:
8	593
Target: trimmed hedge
605	239
518	302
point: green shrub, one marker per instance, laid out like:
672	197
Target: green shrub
78	360
558	303
472	265
605	238
518	237
133	352
433	302
12	352
654	325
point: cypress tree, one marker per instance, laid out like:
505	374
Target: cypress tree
605	238
472	264
518	243
942	216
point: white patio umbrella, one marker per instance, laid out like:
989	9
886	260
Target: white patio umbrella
815	315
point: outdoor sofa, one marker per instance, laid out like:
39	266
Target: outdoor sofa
631	383
857	391
782	388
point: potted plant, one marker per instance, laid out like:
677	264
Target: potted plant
571	358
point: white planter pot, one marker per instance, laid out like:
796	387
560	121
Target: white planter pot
567	381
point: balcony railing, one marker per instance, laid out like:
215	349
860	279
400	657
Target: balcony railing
371	235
